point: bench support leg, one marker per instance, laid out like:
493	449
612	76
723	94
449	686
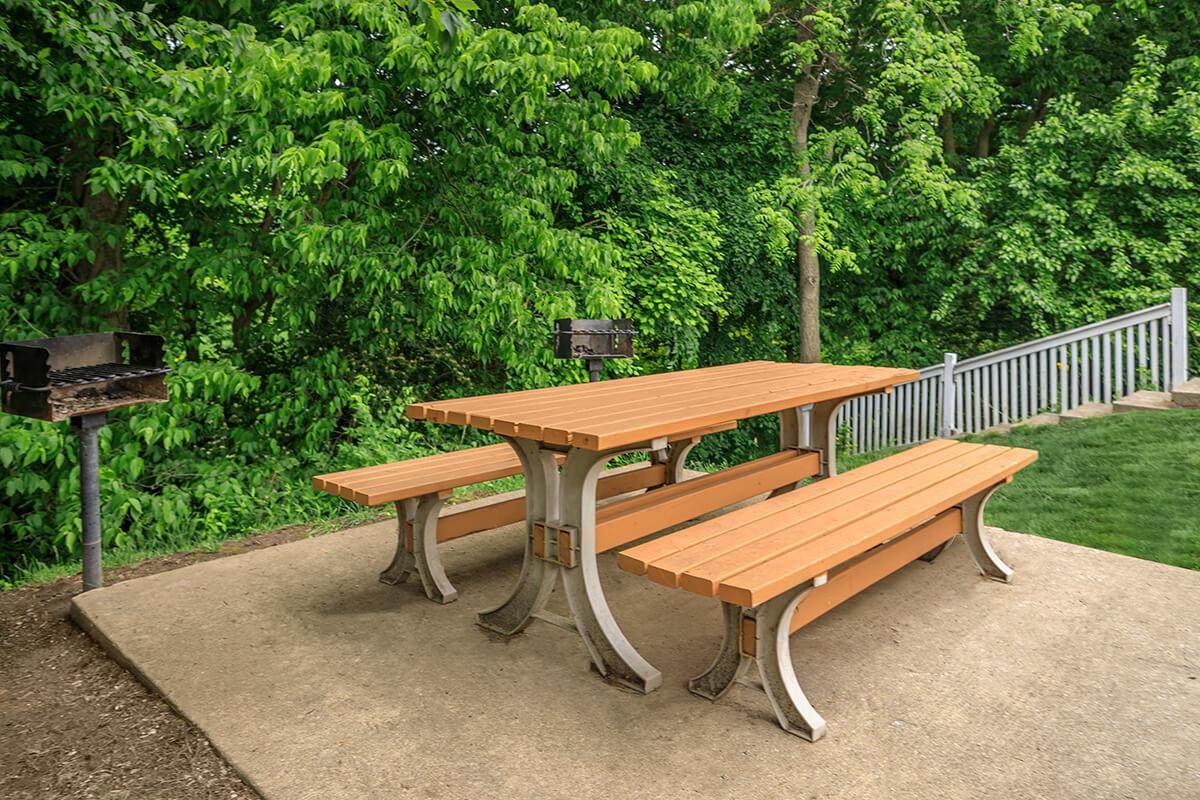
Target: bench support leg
989	563
730	663
774	657
425	551
536	582
762	635
402	563
613	656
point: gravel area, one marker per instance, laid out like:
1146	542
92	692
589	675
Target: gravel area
75	724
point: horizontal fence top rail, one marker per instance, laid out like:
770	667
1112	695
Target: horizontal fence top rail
1066	337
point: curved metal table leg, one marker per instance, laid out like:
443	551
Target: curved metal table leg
425	551
537	576
676	458
975	534
403	563
729	664
822	433
774	657
612	654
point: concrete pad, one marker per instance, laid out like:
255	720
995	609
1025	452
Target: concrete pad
1144	400
1079	680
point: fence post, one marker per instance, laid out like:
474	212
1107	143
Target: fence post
1179	338
948	399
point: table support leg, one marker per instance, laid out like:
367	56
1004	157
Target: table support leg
612	654
677	457
822	433
536	582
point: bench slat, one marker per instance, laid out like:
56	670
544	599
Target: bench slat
753	554
830	512
453	461
400	480
672	555
767	580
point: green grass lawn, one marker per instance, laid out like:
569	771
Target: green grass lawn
1128	483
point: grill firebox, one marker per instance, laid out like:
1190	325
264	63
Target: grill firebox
593	340
72	376
81	379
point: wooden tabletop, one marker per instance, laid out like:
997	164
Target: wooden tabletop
597	416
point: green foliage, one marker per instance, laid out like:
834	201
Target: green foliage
330	209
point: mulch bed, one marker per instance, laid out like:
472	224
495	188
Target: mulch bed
75	724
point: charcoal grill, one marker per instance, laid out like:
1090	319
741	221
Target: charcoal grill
81	379
594	340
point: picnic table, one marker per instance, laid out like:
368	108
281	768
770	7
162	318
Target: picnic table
582	427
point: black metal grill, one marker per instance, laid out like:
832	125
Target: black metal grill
82	378
73	376
593	340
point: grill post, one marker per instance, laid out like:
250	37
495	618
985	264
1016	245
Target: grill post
89	496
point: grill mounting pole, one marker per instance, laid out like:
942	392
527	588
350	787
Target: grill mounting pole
89	495
594	366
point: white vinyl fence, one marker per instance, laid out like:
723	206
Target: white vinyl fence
1096	363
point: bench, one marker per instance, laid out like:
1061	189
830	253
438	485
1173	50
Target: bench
779	564
420	487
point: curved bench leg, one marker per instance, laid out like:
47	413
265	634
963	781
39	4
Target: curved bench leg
612	654
989	563
403	563
537	578
772	633
425	551
729	664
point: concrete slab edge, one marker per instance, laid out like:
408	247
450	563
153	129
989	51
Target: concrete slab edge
89	626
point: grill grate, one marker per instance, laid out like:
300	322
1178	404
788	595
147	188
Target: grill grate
99	373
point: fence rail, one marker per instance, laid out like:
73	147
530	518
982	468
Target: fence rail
1095	363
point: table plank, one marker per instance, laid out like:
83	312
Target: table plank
628	411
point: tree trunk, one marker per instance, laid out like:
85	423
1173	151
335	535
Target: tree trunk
102	212
983	145
808	264
949	147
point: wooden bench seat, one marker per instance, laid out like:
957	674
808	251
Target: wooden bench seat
779	564
420	486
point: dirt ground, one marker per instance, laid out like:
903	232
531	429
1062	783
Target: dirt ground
74	724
